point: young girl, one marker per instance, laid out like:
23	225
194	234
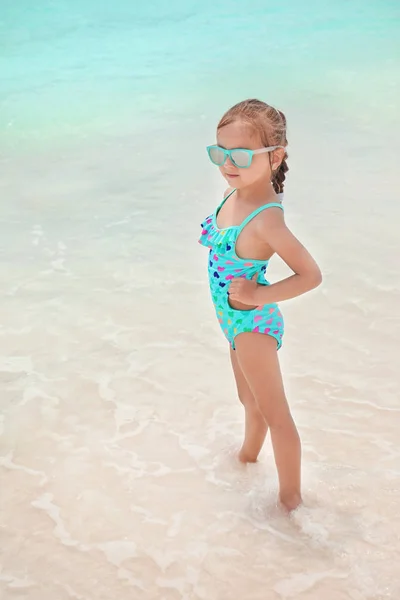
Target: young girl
243	233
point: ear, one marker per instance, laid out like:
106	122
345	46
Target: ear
277	158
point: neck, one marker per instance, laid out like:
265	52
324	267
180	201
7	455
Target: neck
260	192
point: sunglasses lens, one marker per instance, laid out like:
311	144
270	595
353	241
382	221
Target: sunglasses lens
217	155
241	158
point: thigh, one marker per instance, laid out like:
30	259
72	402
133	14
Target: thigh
244	392
257	357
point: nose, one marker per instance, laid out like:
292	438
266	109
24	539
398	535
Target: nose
228	163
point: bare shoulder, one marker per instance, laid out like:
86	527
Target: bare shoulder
271	218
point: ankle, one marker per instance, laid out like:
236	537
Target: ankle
290	502
244	457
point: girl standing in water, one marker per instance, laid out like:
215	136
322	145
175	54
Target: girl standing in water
242	235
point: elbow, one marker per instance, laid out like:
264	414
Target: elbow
315	278
311	279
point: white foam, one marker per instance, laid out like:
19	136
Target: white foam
296	584
32	393
45	503
16	364
8	463
117	551
17	583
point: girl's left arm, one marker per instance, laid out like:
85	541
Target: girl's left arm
306	273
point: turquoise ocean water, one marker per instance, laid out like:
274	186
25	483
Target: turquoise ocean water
70	68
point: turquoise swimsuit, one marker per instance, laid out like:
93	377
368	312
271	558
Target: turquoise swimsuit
223	265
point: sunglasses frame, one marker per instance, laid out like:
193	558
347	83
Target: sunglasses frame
228	153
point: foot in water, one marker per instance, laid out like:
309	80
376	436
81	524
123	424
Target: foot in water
244	458
290	503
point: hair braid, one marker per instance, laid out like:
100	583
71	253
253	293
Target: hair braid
279	175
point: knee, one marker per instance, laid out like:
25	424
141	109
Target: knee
248	401
277	417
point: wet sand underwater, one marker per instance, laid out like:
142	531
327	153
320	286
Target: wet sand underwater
119	414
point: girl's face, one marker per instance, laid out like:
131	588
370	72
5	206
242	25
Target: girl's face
241	135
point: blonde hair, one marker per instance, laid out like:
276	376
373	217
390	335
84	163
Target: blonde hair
270	123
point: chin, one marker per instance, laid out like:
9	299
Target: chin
234	182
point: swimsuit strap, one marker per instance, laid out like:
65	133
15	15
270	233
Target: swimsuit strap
224	200
257	211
